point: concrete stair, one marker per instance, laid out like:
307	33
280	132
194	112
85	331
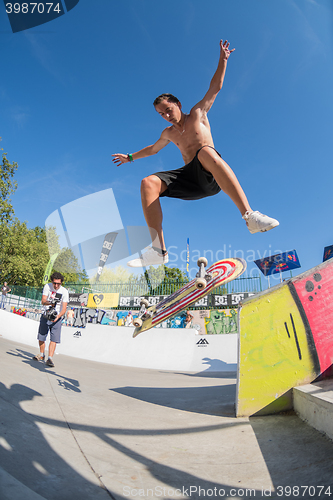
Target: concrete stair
313	403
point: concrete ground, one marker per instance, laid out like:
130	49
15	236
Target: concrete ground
92	431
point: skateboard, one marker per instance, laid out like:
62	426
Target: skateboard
205	281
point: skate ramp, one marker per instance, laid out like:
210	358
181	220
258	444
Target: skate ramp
160	348
286	340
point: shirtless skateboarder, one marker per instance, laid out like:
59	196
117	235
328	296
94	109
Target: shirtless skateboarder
205	173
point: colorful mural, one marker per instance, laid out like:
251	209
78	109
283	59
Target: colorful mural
212	322
286	340
204	321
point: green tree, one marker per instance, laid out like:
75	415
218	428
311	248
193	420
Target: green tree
23	254
7	187
68	265
117	275
165	274
163	280
66	262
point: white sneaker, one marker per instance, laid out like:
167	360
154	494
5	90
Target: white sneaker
257	222
149	258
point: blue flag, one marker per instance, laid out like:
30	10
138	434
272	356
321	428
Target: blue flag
278	263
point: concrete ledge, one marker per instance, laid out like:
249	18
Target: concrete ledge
314	404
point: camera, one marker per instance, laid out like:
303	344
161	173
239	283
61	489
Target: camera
51	313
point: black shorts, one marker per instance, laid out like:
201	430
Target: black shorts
191	182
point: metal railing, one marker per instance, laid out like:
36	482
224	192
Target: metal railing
22	297
30	297
167	287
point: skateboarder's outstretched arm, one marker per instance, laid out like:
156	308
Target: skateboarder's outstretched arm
119	158
217	81
171	111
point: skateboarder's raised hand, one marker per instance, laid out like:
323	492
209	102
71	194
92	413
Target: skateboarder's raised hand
225	52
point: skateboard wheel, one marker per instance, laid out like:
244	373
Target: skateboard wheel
200	283
202	260
137	322
144	302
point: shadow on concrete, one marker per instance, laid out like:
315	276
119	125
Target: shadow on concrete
27	456
68	384
32	461
296	455
212	400
216	365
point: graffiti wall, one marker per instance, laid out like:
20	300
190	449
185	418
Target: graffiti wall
210	322
88	308
29	312
285	340
204	321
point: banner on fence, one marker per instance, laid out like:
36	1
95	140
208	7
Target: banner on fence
103	299
49	267
78	299
129	301
229	300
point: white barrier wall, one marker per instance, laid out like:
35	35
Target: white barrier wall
159	348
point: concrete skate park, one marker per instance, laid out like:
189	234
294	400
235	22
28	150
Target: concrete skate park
166	416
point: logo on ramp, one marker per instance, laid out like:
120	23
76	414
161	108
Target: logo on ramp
202	343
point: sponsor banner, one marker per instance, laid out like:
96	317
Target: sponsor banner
229	300
103	299
106	248
78	299
49	267
135	301
328	253
188	257
278	263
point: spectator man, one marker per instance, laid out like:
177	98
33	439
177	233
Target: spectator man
54	300
4	290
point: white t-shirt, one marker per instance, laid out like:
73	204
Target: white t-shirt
50	293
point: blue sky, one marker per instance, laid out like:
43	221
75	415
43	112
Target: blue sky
77	89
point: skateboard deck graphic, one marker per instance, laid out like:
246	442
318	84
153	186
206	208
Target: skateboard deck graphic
219	273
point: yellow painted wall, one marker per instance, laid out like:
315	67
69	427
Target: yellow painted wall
269	360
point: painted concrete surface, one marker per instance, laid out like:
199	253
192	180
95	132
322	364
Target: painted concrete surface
314	404
286	340
95	431
159	348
